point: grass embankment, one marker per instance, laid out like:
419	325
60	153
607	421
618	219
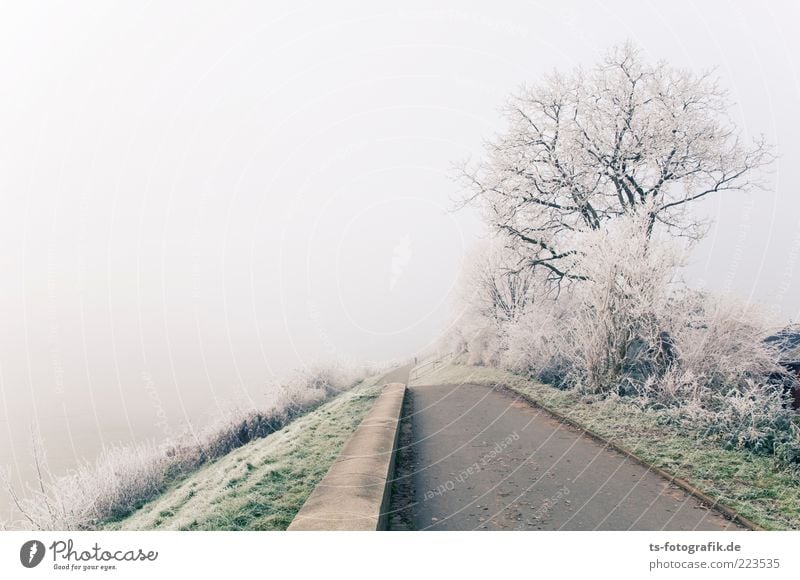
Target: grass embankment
754	485
262	485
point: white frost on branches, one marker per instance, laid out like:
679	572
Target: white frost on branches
588	147
592	183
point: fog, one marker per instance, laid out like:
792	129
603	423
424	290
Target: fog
200	197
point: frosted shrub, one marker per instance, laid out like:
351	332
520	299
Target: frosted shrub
632	329
123	478
536	342
117	482
754	416
619	332
725	382
722	341
484	346
493	293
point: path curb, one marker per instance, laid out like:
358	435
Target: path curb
355	493
708	501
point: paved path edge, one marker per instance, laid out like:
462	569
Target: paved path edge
700	496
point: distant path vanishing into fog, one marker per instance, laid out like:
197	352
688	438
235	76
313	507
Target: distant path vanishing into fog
485	459
398	375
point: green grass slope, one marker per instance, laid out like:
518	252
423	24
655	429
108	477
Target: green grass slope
262	485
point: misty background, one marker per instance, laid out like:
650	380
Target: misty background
199	197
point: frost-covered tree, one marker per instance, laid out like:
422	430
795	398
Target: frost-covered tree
587	147
494	285
493	291
592	180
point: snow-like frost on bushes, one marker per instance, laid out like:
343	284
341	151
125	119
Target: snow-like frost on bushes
722	340
725	382
124	477
493	291
619	332
633	329
536	344
754	415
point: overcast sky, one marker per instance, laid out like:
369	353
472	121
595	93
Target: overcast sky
199	197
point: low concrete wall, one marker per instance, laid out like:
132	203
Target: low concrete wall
354	494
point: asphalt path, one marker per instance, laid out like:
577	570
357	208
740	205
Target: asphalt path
474	457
